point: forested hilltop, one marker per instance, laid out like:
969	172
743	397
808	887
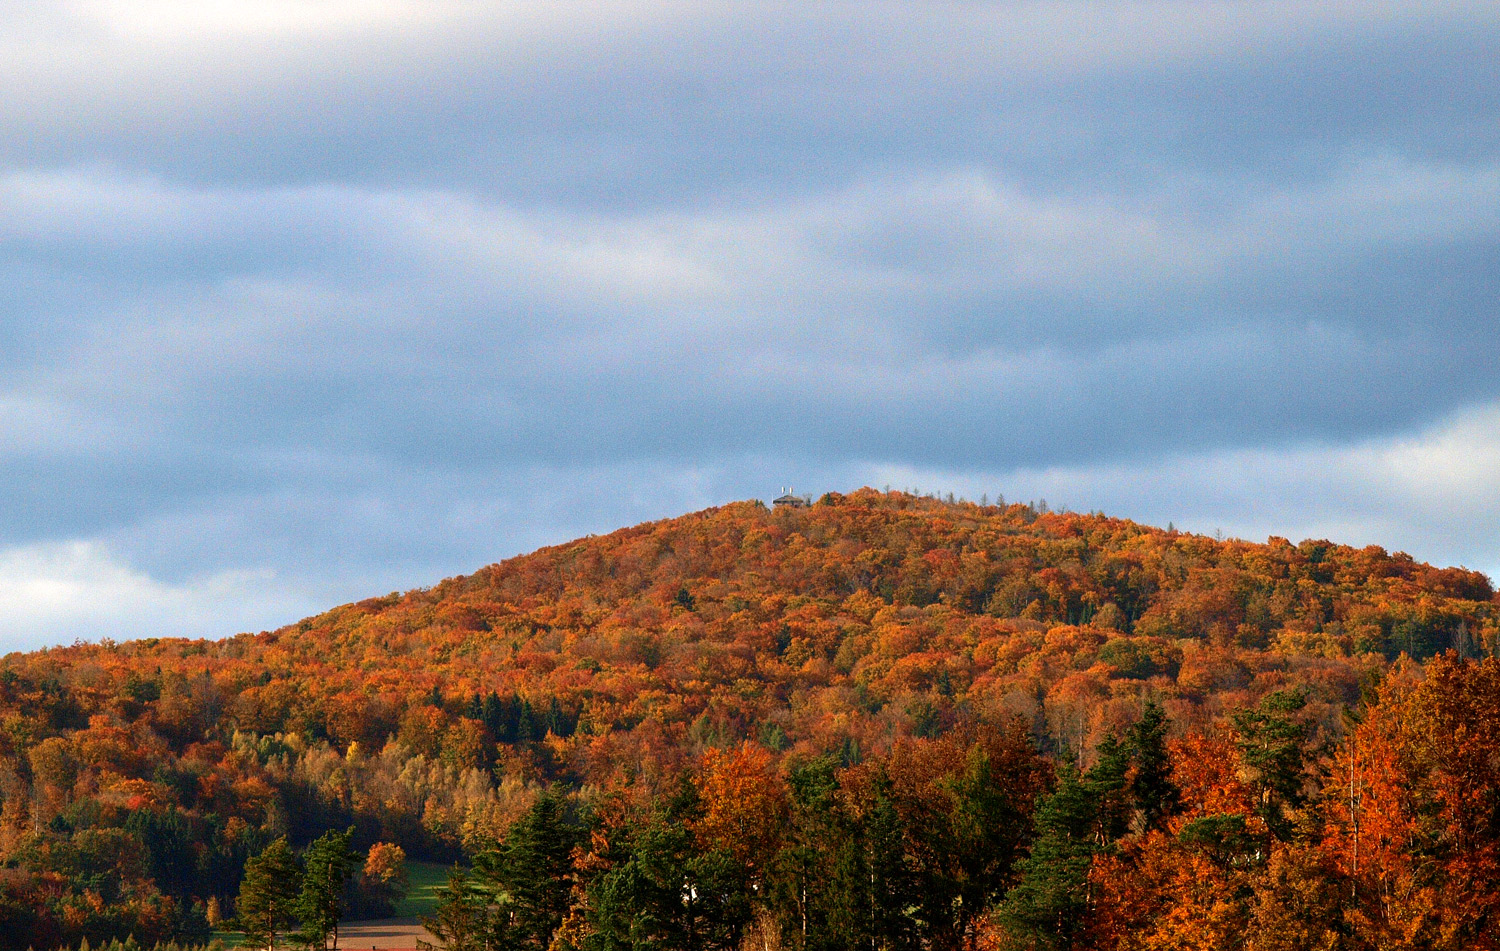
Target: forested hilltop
881	721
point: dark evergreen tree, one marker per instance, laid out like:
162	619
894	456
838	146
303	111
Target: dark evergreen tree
172	847
843	882
493	715
894	891
558	721
667	894
466	916
1047	905
1273	742
982	834
268	894
501	715
802	871
327	865
527	726
530	876
1107	787
1151	786
842	902
1224	838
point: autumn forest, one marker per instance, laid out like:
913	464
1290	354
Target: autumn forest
882	721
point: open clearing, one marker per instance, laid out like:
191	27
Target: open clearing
405	930
425	879
383	935
386	934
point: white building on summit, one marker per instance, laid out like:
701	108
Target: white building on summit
791	501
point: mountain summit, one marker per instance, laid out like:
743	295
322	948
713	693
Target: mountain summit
847	628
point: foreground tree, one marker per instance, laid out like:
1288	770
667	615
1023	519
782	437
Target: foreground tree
327	865
268	894
1046	908
383	881
1412	811
665	891
820	888
464	919
1156	797
744	806
519	892
1272	741
529	877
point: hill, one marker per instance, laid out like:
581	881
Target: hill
872	632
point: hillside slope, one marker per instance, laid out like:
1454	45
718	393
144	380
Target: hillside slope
136	778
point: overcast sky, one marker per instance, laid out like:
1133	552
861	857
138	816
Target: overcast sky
303	302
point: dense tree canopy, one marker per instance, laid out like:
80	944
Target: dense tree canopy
870	718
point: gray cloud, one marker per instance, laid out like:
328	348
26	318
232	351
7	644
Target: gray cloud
302	302
1432	492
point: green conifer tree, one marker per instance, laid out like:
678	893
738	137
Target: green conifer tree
1107	787
668	894
1047	905
327	865
894	892
268	893
806	882
465	918
531	873
1273	742
1156	797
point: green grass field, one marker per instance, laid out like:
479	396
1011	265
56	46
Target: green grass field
425	879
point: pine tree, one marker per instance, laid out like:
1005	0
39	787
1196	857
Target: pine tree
818	881
667	893
268	893
465	918
327	865
1273	743
984	832
893	888
527	728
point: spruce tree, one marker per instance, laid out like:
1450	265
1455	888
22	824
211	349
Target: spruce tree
493	713
1106	784
527	728
1047	905
668	893
893	890
465	918
805	867
841	899
844	880
268	893
979	840
1156	796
